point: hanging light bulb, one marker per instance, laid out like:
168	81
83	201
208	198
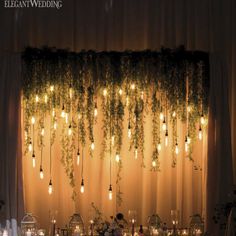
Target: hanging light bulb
70	92
33	120
41	175
30	147
120	92
200	133
161	116
186	144
174	114
166	138
55	125
70	130
33	160
42	131
189	109
52	88
95	110
104	92
136	153
129	131
188	139
45	98
53	112
110	192
176	149
63	112
50	187
142	95
159	147
117	157
132	86
36	98
92	146
164	127
78	158
112	140
82	186
202	119
154	164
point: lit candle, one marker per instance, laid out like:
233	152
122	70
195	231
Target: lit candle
28	232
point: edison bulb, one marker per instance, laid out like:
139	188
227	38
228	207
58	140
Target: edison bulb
136	153
53	112
186	144
42	131
164	125
154	164
33	120
161	116
132	86
82	186
166	139
174	114
202	120
95	110
36	98
189	108
92	146
176	149
129	131
117	157
120	92
112	140
45	98
51	88
41	175
33	160
70	130
30	147
200	133
110	193
104	92
63	112
66	117
78	158
50	187
159	147
55	125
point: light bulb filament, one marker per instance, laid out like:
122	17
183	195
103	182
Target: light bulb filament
82	186
78	158
50	187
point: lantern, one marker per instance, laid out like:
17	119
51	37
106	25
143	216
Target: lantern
28	225
196	227
154	224
76	225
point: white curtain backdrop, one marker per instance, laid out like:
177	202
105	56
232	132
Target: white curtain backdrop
137	25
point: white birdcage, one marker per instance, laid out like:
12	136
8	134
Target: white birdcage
28	225
76	225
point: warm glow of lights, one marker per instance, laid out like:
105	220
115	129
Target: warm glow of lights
112	140
63	112
82	186
120	92
78	158
36	98
104	92
176	149
92	146
161	116
66	117
136	153
164	127
200	133
70	93
42	131
142	95
188	140
53	112
159	147
129	131
186	145
110	193
45	98
166	138
70	130
51	88
32	120
55	125
30	147
174	114
132	86
79	115
95	111
33	160
154	164
50	187
117	157
41	175
127	101
26	135
189	108
202	120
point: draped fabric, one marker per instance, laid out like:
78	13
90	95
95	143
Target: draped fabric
119	25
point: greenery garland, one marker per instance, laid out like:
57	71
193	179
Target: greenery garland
69	85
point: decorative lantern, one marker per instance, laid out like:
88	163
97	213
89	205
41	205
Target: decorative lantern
76	225
154	224
196	227
28	225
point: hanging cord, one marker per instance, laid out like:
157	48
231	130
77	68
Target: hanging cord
82	166
50	149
